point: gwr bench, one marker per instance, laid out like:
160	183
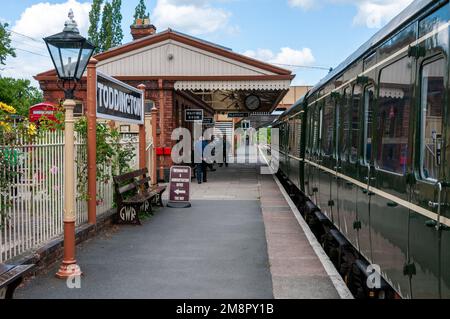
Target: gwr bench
10	278
134	195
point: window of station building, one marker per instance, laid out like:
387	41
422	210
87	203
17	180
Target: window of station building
355	124
148	106
328	128
369	93
78	109
432	105
394	116
346	128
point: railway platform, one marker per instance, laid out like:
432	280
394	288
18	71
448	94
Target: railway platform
241	239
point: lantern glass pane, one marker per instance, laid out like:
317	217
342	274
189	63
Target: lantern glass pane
65	56
84	60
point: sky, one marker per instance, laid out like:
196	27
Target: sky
288	33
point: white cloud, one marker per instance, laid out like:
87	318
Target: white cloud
286	56
304	4
36	22
371	13
374	14
196	17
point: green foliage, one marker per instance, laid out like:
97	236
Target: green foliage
5	44
117	23
20	94
94	21
106	31
14	133
111	152
140	11
110	22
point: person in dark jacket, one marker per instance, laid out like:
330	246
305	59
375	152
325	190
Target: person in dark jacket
226	151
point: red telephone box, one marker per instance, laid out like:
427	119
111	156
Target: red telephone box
41	110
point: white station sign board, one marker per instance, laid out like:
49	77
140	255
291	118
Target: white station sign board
119	101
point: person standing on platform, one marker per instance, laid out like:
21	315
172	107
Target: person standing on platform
198	149
204	162
226	151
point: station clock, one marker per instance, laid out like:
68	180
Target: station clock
252	102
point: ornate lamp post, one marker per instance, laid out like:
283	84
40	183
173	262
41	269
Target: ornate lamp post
70	53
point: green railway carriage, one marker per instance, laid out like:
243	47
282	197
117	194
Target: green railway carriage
369	146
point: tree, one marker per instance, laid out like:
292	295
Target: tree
20	94
94	21
110	33
5	44
117	23
106	32
140	12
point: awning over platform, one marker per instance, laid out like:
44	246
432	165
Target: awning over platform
233	85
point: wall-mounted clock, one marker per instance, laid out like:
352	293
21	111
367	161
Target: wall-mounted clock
252	102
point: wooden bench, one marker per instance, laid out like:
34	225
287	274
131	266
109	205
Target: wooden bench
10	278
134	195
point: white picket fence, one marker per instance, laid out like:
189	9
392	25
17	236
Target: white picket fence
33	214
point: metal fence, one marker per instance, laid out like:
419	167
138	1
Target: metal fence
33	204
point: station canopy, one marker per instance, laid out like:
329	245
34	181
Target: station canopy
211	73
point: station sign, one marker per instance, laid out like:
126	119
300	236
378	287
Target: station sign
238	115
193	115
180	187
119	101
208	121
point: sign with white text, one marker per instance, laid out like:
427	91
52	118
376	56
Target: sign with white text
180	184
119	101
193	116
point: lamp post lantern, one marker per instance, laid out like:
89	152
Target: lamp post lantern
70	53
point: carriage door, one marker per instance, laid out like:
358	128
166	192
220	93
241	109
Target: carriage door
429	241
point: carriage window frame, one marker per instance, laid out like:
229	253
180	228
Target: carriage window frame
347	103
366	106
434	59
379	163
330	122
337	127
355	105
309	125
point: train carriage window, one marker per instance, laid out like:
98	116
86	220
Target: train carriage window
298	120
355	124
328	129
368	120
394	116
337	126
317	117
432	103
346	128
308	132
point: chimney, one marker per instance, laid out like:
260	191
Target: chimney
142	28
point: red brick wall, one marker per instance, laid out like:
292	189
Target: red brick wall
167	122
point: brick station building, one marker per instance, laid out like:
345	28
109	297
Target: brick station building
182	72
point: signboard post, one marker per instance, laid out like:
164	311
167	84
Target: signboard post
180	187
